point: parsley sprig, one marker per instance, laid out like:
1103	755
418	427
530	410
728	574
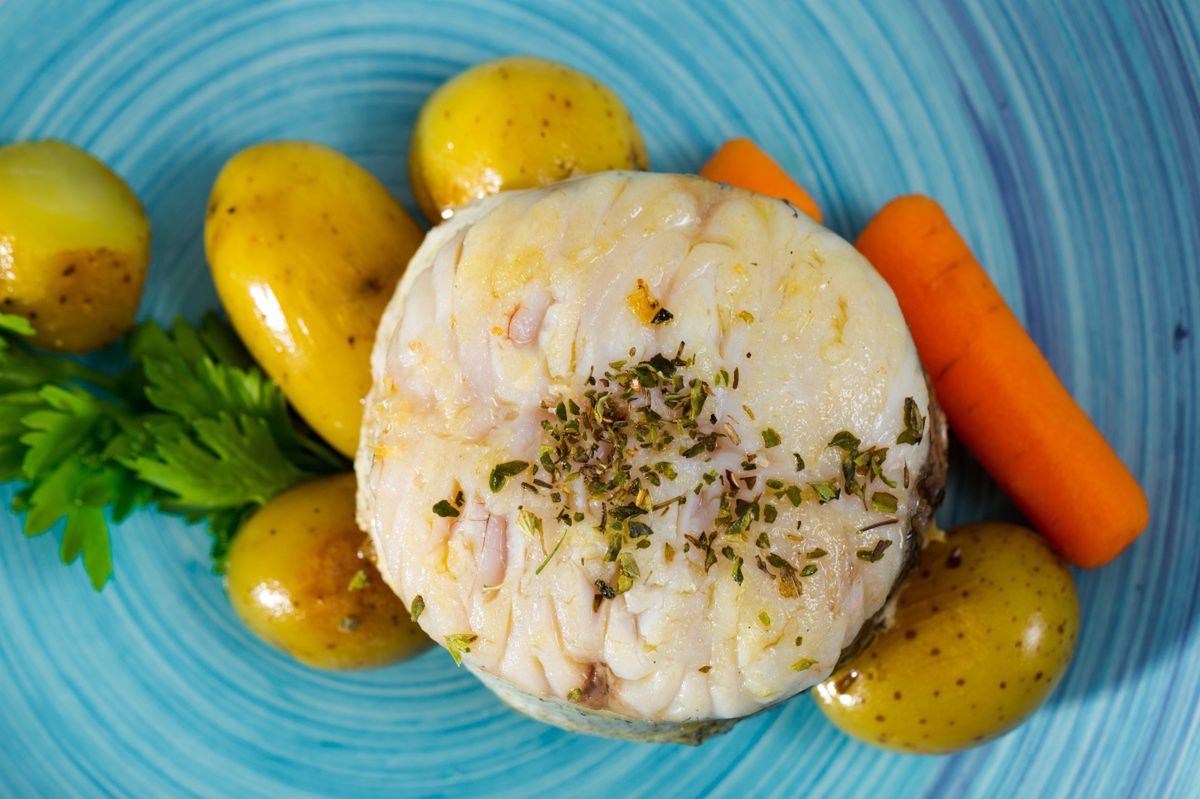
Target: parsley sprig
191	426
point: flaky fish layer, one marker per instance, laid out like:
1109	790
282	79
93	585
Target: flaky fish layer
507	310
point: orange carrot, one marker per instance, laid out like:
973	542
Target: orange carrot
1000	394
741	163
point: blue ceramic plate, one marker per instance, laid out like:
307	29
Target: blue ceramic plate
1065	143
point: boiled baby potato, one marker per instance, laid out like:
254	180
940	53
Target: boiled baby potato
514	123
74	246
983	632
300	576
305	248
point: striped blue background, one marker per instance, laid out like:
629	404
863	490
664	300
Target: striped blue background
1064	139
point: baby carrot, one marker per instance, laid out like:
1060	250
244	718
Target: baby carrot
1000	394
740	162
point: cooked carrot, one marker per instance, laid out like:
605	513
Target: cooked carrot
741	163
1000	394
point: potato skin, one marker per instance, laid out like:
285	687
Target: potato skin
292	579
982	634
306	248
74	246
514	123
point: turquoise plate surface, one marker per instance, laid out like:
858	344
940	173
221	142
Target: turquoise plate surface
1064	140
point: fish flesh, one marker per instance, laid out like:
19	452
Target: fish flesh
648	453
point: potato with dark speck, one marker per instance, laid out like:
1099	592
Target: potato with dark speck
982	633
301	577
74	246
515	123
306	248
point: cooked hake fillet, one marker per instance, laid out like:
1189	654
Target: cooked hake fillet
694	395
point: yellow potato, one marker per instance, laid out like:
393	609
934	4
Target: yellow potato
74	246
306	248
982	634
514	123
300	577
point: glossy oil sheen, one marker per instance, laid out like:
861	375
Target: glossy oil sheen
1064	141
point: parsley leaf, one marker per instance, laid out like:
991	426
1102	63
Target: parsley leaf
193	427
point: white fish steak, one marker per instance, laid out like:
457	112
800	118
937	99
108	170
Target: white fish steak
647	453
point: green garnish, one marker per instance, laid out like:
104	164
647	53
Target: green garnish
529	523
503	471
192	427
574	694
764	619
845	440
799	461
418	607
883	502
809	570
358	582
459	644
826	491
704	669
638	529
770	514
553	552
770	438
814	554
876	553
746	317
803	664
778	562
444	508
737	570
914	423
799	640
627	572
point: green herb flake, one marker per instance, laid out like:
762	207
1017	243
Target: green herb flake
874	554
704	669
529	523
826	491
770	438
746	317
770	514
914	424
553	552
809	570
794	495
799	461
358	582
627	572
845	440
503	471
762	542
737	570
418	607
764	618
816	554
574	695
883	502
803	664
444	509
778	562
799	640
638	529
459	644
